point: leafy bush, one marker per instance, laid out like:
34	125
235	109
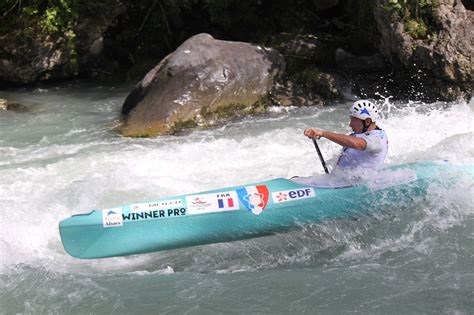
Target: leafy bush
417	29
417	16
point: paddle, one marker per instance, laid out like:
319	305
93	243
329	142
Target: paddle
320	156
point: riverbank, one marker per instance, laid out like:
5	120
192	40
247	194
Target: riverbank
405	49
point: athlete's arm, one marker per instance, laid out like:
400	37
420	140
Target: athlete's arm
339	138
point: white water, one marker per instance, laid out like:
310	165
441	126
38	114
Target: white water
64	158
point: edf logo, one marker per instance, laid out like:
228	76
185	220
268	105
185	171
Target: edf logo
300	193
294	194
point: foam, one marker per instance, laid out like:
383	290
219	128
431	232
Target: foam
86	166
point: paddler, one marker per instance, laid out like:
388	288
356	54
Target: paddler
366	147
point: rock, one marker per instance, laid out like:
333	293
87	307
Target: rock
316	49
309	76
3	104
16	107
39	57
446	55
311	87
301	47
90	33
321	5
290	94
348	62
202	81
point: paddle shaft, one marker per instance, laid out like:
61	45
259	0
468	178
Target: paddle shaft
320	156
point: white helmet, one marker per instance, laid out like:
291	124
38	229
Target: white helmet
364	109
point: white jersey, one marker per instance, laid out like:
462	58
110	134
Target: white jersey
372	157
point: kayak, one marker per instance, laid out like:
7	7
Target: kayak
242	212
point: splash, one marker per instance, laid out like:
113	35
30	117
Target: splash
56	169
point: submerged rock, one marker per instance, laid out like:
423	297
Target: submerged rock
3	104
17	107
203	81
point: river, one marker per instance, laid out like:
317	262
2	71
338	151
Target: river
64	157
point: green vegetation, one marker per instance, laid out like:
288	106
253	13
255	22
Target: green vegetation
49	17
187	124
309	78
211	117
35	20
417	16
313	80
417	29
150	29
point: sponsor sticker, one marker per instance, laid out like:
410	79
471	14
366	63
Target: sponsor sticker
215	202
154	214
254	198
293	194
112	217
158	205
155	210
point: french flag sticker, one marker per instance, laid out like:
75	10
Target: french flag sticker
225	203
255	198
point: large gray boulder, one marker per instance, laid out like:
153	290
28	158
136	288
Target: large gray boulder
446	55
202	81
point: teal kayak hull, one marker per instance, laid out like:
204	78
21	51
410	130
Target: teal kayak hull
239	212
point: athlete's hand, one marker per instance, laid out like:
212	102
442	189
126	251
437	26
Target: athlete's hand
313	133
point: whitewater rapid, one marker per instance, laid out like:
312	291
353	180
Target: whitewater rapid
65	157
